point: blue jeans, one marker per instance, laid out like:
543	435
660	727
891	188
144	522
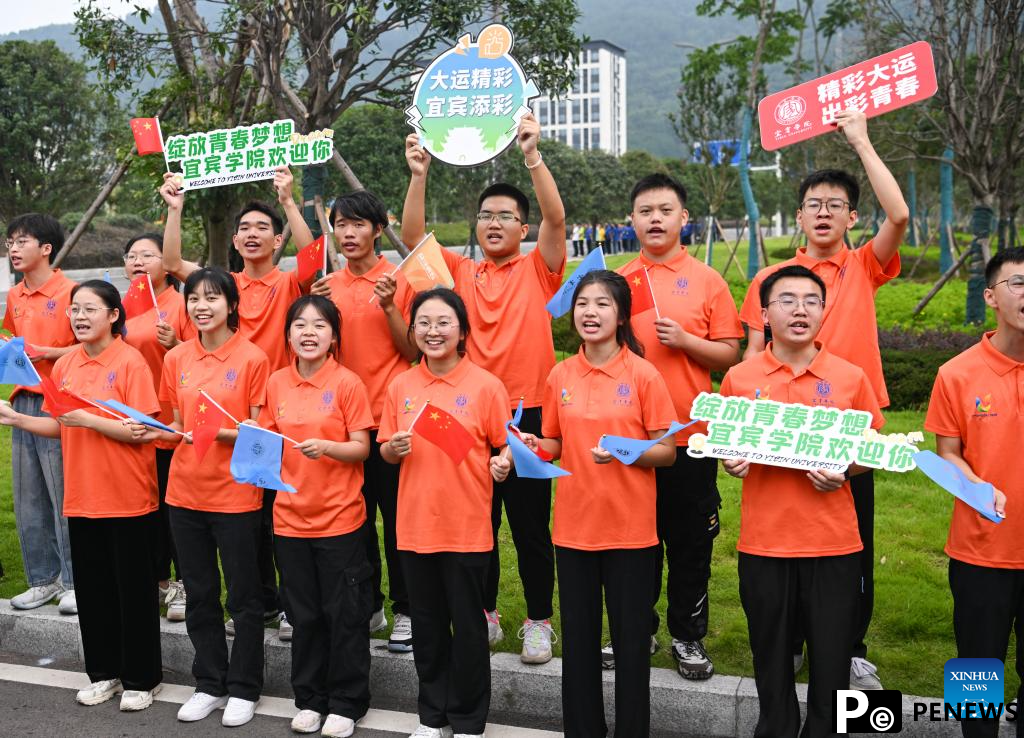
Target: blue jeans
39	500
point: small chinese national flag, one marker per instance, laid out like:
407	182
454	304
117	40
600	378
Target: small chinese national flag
444	431
311	258
147	136
208	420
60	403
138	299
643	293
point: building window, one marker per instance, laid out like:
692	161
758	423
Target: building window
542	113
576	138
595	138
561	135
595	110
563	113
576	84
595	80
575	111
586	138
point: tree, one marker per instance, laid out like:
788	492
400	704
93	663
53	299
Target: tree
55	130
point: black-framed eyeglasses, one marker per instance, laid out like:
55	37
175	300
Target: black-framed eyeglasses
1015	284
503	217
813	205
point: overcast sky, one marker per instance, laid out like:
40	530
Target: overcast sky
18	16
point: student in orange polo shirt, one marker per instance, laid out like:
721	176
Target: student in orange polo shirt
976	413
376	345
605	530
444	514
319	532
112	525
505	296
697	332
211	514
35	311
265	292
799	547
152	333
827	212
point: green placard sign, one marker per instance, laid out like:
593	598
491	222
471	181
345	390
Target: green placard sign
796	436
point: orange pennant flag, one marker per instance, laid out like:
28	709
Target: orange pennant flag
425	268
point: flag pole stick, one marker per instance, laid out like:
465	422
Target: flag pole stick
162	149
418	415
219	407
657	313
394	271
152	293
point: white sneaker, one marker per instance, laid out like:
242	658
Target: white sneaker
537	637
175	602
424	732
378	621
238	712
285	629
494	631
229	627
34	597
307	721
401	635
863	675
338	726
134	700
98	692
162	591
199	705
469	735
67	605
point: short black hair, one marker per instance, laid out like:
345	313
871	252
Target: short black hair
44	228
327	310
1004	256
111	299
658	182
220	283
451	299
503	189
836	177
261	207
360	205
794	270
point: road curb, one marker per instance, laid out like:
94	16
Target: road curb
719	707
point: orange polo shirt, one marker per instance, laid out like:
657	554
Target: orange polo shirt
781	513
141	335
366	345
441	506
262	309
604	506
329	405
979	398
104	478
38	316
695	296
235	375
849	326
510	330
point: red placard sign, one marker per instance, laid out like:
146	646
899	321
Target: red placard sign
875	86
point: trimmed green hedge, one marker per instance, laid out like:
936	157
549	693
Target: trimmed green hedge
910	374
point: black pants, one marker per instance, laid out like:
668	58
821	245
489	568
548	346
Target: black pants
380	489
165	553
453	661
199	537
688	524
273	596
118	613
626	576
528	507
329	593
987	604
822	593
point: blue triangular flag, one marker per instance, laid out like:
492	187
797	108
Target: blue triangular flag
628	450
561	303
950	478
257	458
15	366
517	416
136	415
528	464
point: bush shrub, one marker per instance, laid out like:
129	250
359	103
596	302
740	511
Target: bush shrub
128	220
910	374
71	219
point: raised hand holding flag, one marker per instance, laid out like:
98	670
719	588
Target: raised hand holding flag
15	365
147	136
311	259
561	303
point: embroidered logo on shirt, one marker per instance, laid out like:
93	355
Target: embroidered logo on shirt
822	391
566	397
983	407
280	409
51	308
682	287
111	378
622	393
230	379
326	401
184	378
409	406
763	394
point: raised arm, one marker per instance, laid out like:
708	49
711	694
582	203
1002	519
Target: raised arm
551	236
414	219
175	199
301	234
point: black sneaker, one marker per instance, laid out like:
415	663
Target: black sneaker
608	654
692	660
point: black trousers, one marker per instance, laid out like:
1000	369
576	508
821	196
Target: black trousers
688	524
453	660
987	604
199	537
273	596
820	591
528	507
330	595
626	577
118	615
380	489
165	553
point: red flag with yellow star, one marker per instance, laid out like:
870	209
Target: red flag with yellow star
444	431
208	420
311	259
139	298
147	136
643	294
